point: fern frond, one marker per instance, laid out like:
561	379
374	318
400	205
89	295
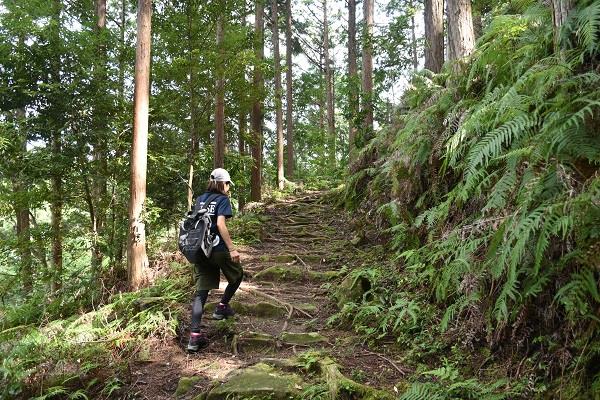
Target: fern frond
492	143
588	27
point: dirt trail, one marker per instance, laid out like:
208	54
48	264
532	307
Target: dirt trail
289	277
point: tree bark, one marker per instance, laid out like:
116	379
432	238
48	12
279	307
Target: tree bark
461	38
98	216
560	13
194	140
278	105
122	51
56	201
322	103
137	259
219	160
256	181
434	35
242	125
289	120
329	88
21	207
367	70
413	37
353	97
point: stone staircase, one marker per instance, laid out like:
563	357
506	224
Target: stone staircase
279	345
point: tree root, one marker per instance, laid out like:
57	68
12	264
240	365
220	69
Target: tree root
287	305
341	387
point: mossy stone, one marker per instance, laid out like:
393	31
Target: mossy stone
253	341
186	383
279	258
303	338
293	274
264	309
279	274
351	290
260	381
261	309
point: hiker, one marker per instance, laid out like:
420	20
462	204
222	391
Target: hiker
224	257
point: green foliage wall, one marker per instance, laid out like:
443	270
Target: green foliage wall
488	186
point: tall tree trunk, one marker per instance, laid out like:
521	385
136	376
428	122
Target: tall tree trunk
278	105
367	70
329	88
56	201
322	103
413	38
122	50
137	259
194	141
461	39
242	125
353	97
220	103
21	207
289	120
434	35
560	13
98	214
255	187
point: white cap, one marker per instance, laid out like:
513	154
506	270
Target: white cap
220	175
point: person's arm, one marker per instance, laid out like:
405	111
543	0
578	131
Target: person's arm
224	232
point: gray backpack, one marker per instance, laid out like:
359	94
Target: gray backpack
195	238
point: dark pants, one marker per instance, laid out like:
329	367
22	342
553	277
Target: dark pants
207	276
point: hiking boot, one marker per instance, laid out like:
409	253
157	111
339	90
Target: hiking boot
197	341
223	311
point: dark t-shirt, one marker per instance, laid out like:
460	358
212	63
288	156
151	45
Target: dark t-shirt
220	205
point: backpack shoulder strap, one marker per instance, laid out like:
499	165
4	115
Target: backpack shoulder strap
210	199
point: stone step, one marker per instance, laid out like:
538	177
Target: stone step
257	342
260	309
293	274
260	381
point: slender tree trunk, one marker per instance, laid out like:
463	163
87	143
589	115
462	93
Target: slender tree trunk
56	201
353	97
24	241
194	141
413	38
278	105
242	123
98	214
242	126
434	35
289	120
21	207
329	88
220	106
255	187
122	50
367	70
461	39
56	218
560	13
322	102
137	259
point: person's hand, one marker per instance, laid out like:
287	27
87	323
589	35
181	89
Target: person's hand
235	256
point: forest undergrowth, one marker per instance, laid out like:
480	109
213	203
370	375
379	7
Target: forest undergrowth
80	345
486	191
